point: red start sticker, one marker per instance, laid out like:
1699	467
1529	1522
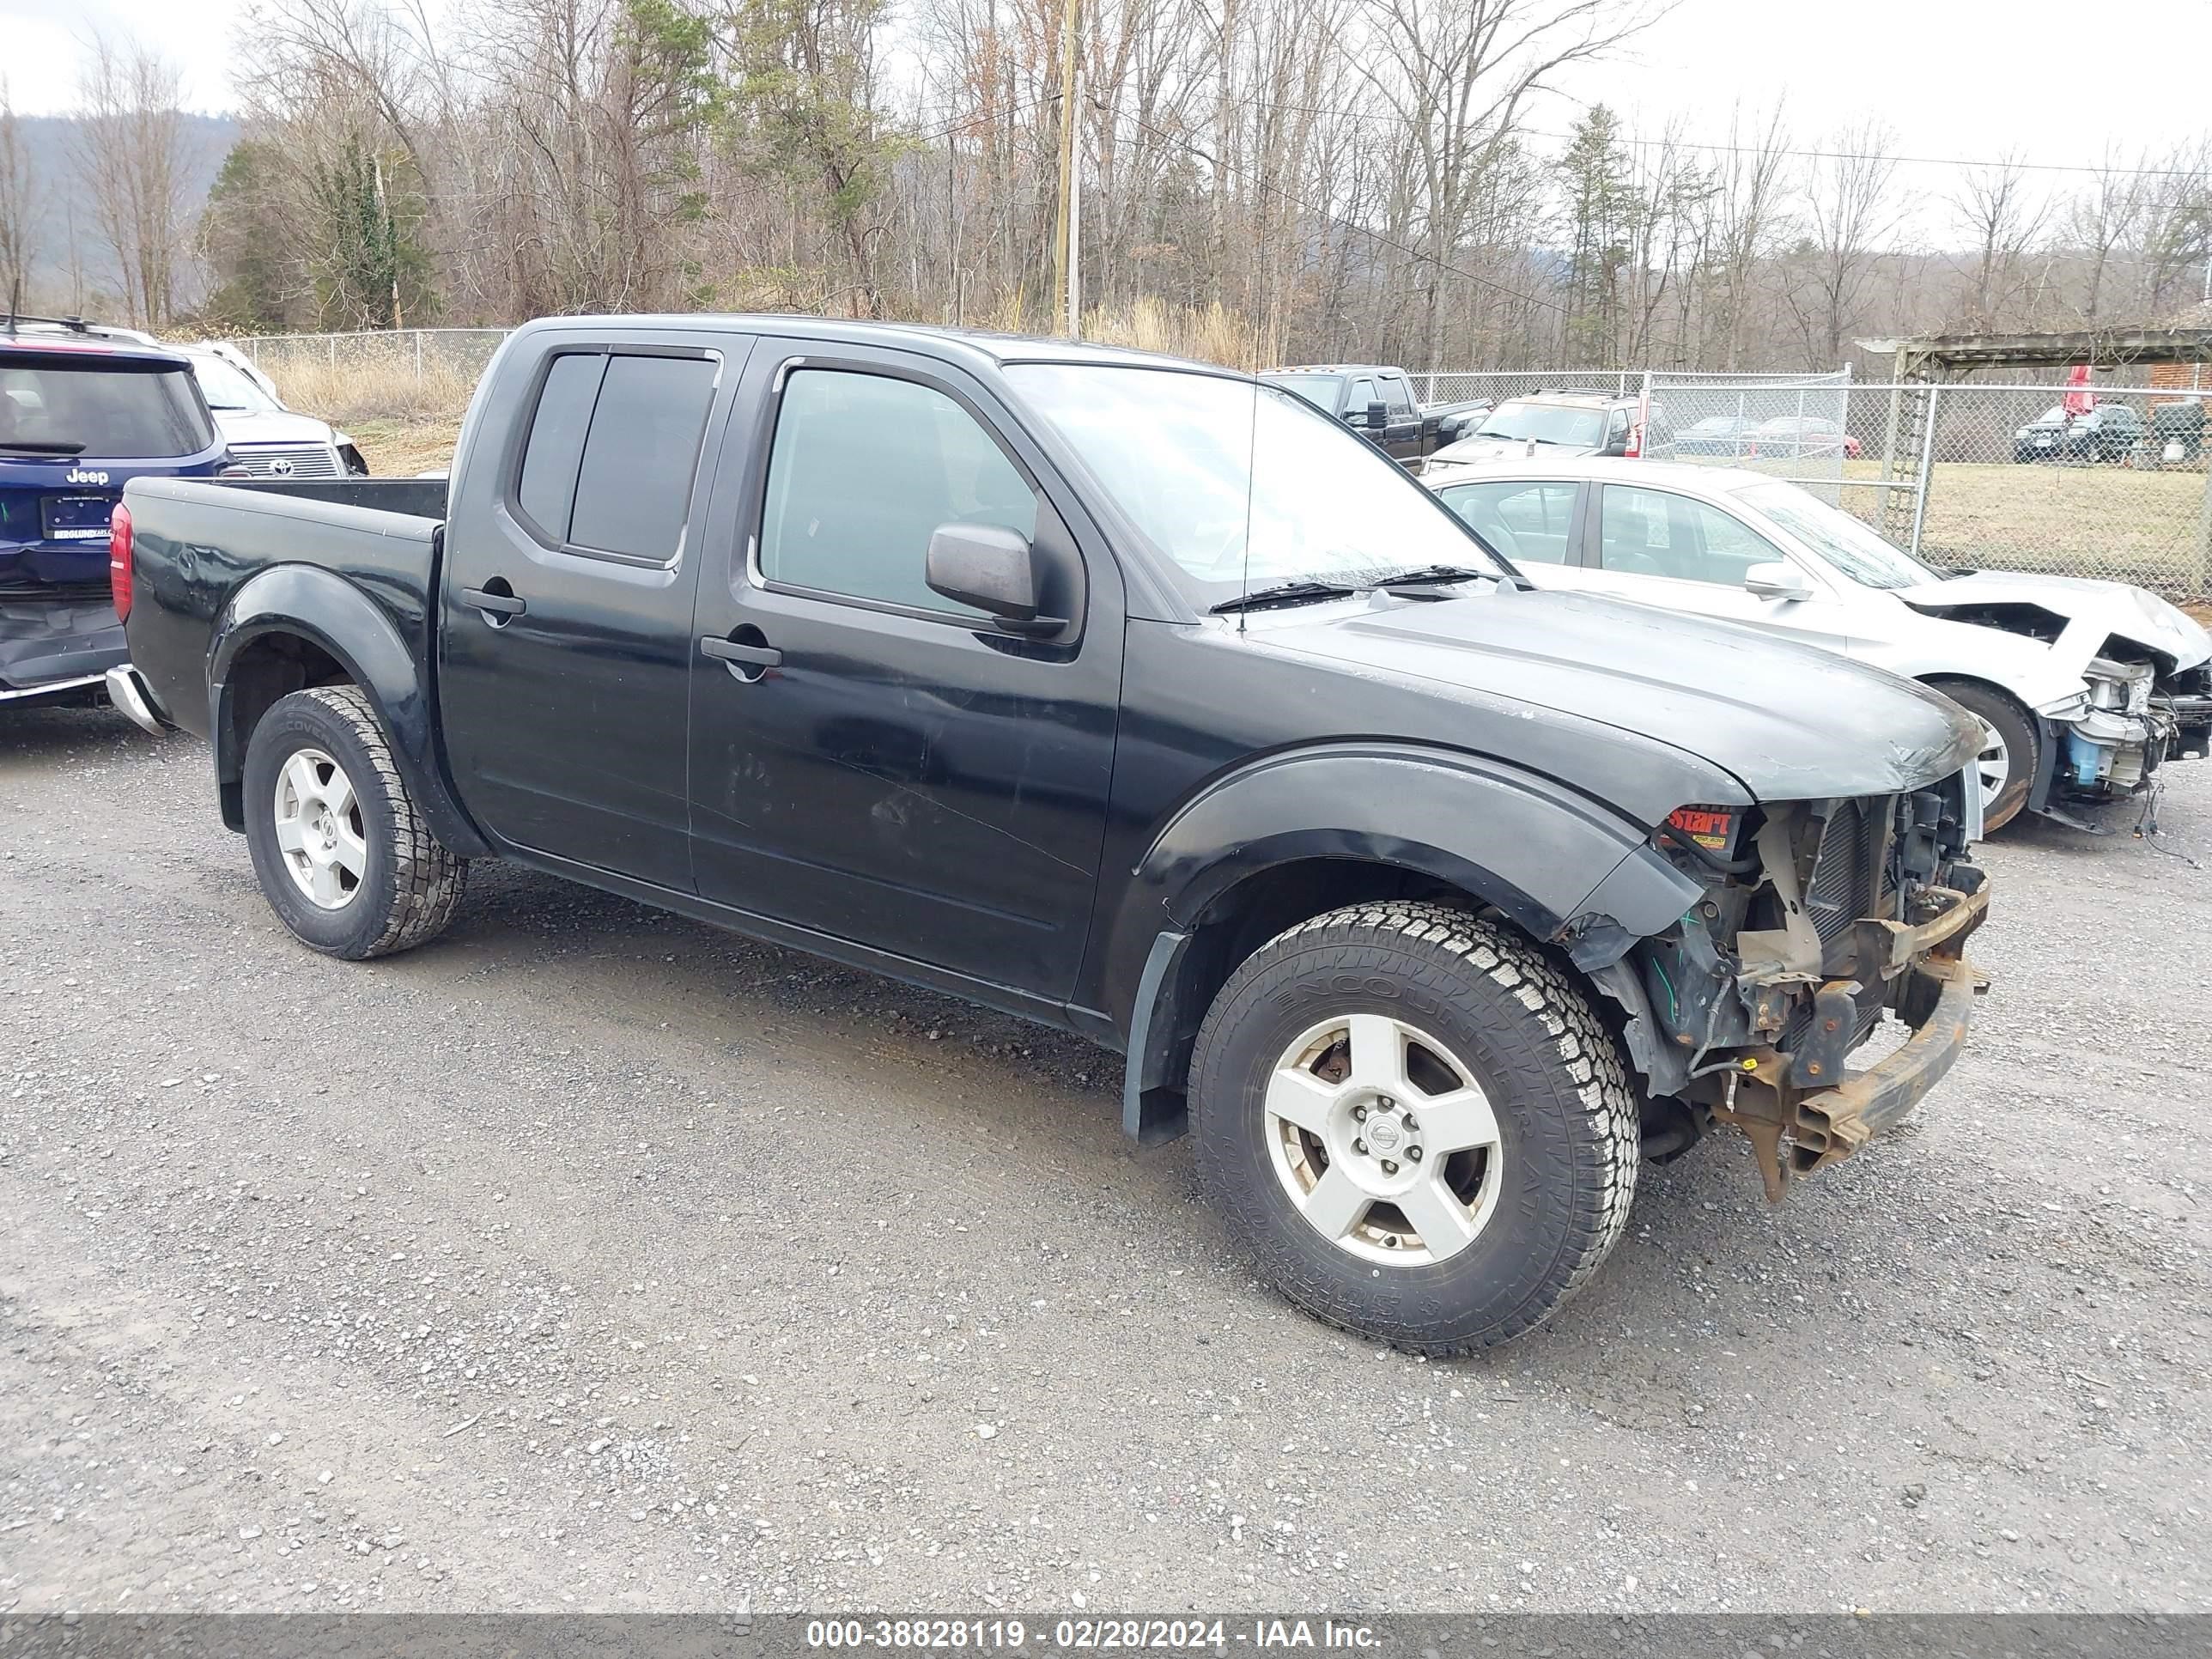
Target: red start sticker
1711	827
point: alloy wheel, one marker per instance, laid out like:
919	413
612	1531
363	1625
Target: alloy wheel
1383	1140
319	832
1992	765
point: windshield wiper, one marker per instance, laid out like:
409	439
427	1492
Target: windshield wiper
1298	593
13	447
1434	575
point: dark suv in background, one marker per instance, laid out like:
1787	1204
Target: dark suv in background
81	412
2109	432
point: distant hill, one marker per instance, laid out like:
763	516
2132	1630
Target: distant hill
63	210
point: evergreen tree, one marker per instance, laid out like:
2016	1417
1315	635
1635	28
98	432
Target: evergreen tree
1600	206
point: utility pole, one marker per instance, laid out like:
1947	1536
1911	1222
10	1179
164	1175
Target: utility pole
388	232
1067	280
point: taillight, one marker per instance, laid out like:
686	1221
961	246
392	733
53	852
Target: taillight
1635	441
118	560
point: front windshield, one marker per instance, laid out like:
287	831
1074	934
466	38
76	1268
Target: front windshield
1319	390
226	386
1195	459
1547	423
1846	543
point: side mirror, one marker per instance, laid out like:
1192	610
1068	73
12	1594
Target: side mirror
1776	580
1378	415
991	569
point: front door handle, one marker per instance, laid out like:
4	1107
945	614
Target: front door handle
746	661
491	604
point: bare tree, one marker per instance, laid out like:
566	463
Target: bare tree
135	150
2103	219
1852	212
1457	75
2003	218
19	207
1744	215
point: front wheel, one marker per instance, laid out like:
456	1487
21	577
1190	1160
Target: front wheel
1419	1125
2010	753
343	853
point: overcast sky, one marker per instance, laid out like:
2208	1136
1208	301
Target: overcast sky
1955	78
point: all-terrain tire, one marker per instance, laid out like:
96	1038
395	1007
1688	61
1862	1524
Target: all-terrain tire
2016	728
1568	1135
409	885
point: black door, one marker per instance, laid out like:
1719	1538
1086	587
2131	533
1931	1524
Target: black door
565	660
1402	437
878	763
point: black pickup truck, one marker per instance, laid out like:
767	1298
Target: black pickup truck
1372	399
1429	901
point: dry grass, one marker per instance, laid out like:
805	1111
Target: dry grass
401	447
367	385
2125	524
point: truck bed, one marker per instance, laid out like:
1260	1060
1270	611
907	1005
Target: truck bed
197	545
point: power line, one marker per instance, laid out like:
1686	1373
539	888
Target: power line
1958	162
1646	142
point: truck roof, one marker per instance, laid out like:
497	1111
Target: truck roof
982	345
1334	368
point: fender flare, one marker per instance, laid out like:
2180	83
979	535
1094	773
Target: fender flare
311	604
1566	870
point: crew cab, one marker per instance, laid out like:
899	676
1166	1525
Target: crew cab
1371	398
1425	900
81	413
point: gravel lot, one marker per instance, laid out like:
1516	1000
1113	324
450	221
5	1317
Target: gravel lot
592	1259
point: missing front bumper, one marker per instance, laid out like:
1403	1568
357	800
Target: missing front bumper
1797	1124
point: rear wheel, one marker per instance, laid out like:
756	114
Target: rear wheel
343	856
1418	1124
2010	753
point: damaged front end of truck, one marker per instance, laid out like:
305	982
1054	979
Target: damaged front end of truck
1817	918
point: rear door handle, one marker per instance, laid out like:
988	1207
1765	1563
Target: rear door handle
752	656
505	604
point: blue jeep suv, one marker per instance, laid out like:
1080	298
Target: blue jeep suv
82	411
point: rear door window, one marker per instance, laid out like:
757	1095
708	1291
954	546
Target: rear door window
1528	523
635	489
113	410
612	451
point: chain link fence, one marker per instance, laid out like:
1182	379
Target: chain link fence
2110	483
404	374
419	352
1496	386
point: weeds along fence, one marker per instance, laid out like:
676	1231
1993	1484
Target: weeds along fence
393	374
2117	485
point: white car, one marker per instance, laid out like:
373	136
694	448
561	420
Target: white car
265	437
2082	688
